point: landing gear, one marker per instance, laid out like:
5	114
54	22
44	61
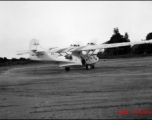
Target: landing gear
88	67
92	66
67	68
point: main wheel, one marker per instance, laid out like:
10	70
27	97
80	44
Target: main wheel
67	69
88	67
92	66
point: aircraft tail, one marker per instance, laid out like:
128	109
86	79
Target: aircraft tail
35	51
34	45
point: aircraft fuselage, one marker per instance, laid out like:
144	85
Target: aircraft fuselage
74	59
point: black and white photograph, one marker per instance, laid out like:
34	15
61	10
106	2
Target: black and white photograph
75	59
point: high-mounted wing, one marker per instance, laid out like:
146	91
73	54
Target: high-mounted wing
103	46
63	50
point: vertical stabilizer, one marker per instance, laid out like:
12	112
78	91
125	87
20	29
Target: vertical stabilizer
37	52
34	45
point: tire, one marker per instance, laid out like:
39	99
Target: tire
88	67
67	69
92	66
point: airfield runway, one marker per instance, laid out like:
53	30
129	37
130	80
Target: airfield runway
47	91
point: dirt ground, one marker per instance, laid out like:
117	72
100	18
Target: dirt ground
47	91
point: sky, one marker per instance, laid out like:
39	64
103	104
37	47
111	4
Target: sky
62	23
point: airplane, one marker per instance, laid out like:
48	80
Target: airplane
74	55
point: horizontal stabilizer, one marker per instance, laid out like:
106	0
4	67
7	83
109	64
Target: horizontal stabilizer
22	52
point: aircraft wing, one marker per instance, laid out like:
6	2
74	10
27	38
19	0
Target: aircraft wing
103	46
45	50
62	50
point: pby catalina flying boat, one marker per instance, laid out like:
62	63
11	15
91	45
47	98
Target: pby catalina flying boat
74	55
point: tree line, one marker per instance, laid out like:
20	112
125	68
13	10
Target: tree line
126	50
14	61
